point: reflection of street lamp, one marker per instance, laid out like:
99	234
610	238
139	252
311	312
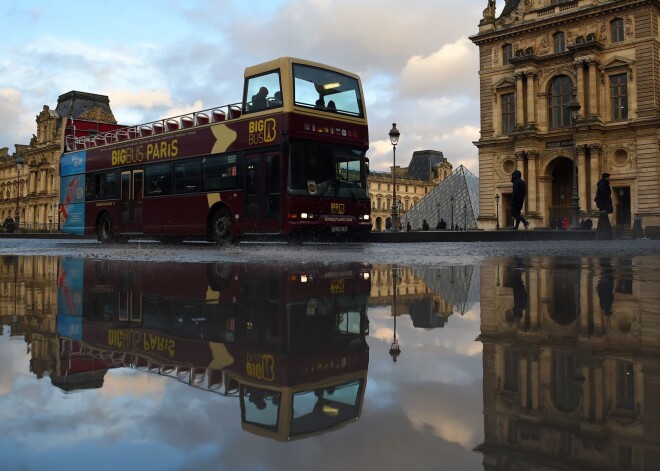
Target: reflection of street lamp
497	211
19	166
395	349
574	107
451	200
394	139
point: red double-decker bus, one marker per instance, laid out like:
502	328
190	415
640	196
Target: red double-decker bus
290	159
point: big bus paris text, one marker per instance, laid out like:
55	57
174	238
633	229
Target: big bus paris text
289	160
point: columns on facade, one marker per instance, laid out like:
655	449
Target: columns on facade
530	77
579	69
594	163
520	99
582	175
593	87
532	185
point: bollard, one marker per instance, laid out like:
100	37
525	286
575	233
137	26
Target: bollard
604	229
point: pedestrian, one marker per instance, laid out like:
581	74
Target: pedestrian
388	224
425	225
518	199
588	224
408	227
9	224
564	224
442	225
603	197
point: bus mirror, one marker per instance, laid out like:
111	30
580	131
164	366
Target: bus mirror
366	165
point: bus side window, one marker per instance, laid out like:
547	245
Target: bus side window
187	177
158	179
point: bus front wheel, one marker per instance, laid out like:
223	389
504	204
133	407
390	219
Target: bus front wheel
104	229
221	227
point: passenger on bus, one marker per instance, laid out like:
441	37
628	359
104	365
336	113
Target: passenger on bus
259	100
320	103
277	99
332	106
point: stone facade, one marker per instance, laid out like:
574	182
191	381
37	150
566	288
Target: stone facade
427	168
532	58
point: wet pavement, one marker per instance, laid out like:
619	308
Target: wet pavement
450	356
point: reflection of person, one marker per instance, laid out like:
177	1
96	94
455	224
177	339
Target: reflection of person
605	287
603	197
518	198
259	100
519	294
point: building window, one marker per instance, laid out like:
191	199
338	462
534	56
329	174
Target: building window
625	385
619	96
560	94
559	42
616	26
507	53
508	113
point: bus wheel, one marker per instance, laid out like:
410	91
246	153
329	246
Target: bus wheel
104	229
221	227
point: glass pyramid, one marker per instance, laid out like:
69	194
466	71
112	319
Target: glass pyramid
462	211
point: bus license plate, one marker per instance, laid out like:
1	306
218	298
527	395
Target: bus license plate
339	229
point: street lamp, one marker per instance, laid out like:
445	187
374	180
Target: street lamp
394	139
19	166
437	206
464	217
451	200
574	107
497	211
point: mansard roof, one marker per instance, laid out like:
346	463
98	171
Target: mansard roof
87	106
509	6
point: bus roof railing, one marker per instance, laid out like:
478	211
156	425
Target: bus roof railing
188	120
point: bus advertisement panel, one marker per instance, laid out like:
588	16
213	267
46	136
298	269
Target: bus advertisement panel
289	160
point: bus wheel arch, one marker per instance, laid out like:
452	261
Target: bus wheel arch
104	227
220	225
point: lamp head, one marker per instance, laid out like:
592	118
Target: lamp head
573	106
19	162
394	135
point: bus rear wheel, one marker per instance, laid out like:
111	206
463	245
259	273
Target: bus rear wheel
104	229
220	230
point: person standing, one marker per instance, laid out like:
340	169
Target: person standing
518	199
603	197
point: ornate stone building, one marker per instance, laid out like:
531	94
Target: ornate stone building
34	190
427	168
533	57
571	374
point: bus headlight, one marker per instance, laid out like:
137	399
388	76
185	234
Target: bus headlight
365	217
306	216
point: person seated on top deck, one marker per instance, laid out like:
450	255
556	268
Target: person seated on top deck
259	101
276	100
332	107
320	103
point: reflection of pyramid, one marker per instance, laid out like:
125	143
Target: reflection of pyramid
463	186
459	285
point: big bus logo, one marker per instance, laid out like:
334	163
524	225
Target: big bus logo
260	367
261	131
337	208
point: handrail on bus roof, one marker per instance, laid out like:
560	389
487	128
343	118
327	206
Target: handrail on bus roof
197	118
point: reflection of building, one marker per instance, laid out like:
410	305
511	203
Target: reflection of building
531	58
428	295
571	381
427	168
28	304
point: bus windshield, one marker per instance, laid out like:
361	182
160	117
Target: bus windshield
327	90
326	170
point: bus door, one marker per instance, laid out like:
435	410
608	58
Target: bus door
131	200
262	194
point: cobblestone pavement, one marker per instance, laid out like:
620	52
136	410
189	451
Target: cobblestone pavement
437	253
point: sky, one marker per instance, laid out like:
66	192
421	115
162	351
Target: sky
156	59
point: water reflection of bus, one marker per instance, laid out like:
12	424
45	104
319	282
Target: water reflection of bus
289	342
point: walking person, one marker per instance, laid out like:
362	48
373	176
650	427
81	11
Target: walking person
518	199
603	201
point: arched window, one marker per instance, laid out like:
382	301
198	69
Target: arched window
560	94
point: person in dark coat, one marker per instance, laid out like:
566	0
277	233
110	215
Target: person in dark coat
518	199
603	197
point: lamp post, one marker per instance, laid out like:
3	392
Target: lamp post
394	139
437	206
574	107
19	166
451	200
464	217
497	212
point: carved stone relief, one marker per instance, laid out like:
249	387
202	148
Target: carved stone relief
620	156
